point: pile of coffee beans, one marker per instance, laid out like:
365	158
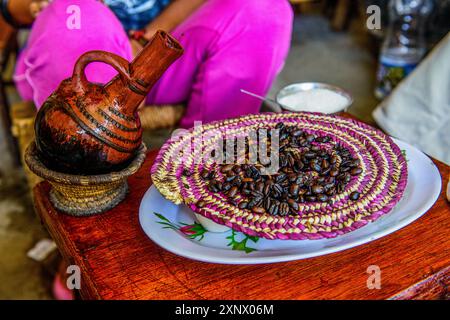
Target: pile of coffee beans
311	169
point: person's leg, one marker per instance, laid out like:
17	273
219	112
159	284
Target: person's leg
57	40
229	45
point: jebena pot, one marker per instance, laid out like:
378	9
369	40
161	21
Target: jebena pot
91	128
84	195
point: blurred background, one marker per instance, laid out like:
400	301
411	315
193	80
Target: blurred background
330	43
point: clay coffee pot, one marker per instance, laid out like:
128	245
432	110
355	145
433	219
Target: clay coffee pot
87	128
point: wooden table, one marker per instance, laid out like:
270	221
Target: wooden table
118	261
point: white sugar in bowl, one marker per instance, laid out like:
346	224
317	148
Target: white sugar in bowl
314	97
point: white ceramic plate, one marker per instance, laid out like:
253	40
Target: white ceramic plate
173	227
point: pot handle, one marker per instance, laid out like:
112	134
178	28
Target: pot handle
120	64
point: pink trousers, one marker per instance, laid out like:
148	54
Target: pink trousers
229	45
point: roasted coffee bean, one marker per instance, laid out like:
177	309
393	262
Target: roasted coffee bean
347	178
284	136
255	172
260	186
247	180
273	210
323	139
256	193
310	138
213	188
232	191
284	144
237	169
243	205
280	126
322	197
356	171
319	139
297	133
316	167
302	191
267	203
205	174
298	166
315	148
252	203
325	171
355	162
293	189
233	201
230	173
286	170
226	168
309	155
325	164
256	202
310	198
329	186
354	195
291	160
300	180
302	142
293	204
317	188
237	181
259	210
246	191
200	204
323	154
346	163
277	189
226	186
334	172
280	178
330	180
283	209
267	187
334	159
292	177
283	162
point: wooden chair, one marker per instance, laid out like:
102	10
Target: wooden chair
22	127
6	56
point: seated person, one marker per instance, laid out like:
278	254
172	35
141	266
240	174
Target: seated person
229	45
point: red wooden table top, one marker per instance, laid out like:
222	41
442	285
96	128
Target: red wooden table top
118	261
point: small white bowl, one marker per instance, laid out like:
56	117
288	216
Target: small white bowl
310	86
210	225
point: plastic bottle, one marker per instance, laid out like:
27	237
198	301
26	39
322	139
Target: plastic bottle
404	45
